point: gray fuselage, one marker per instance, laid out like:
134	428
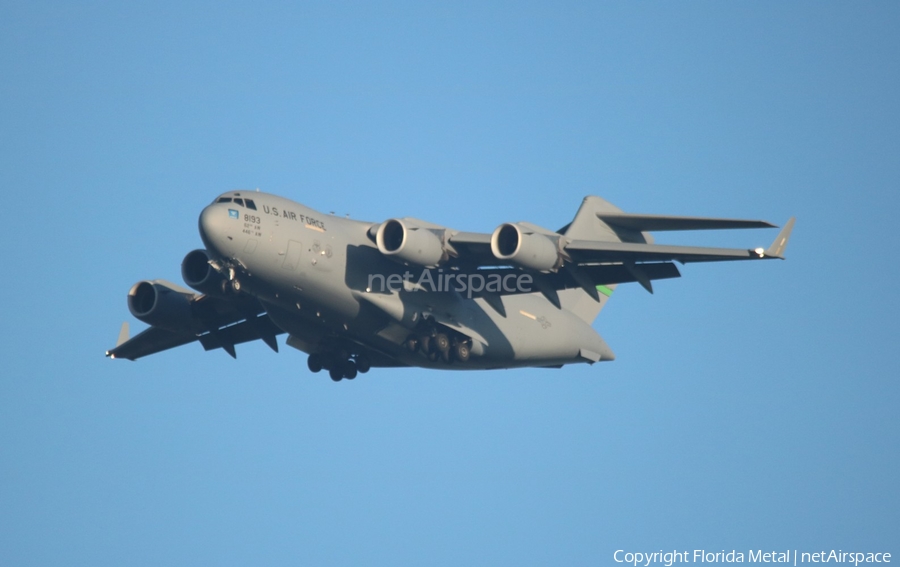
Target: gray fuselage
314	273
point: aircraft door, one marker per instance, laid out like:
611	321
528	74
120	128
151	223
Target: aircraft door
292	256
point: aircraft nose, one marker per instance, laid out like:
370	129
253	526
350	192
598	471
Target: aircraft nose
211	226
205	223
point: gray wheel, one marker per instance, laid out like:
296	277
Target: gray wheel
336	373
461	352
314	362
441	342
231	287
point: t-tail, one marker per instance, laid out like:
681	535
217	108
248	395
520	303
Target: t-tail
602	234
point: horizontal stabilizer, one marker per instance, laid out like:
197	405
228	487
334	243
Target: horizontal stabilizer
665	222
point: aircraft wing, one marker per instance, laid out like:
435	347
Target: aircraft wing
604	251
220	323
474	247
149	341
589	263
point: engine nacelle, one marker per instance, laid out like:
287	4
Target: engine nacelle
199	274
161	304
532	250
410	243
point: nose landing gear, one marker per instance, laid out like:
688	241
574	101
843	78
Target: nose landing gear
231	285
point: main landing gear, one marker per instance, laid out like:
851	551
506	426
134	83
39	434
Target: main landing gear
339	366
439	345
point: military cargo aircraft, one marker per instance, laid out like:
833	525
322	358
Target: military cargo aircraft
404	292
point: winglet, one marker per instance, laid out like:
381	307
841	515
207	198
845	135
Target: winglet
123	338
123	334
776	250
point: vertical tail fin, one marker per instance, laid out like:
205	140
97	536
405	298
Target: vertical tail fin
587	226
583	305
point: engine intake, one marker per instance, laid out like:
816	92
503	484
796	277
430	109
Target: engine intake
161	304
199	274
531	250
410	243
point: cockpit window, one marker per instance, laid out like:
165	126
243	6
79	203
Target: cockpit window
237	201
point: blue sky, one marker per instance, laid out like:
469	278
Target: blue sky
751	405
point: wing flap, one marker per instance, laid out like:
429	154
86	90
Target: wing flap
260	327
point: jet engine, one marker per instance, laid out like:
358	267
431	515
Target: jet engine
525	248
161	304
410	243
197	273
